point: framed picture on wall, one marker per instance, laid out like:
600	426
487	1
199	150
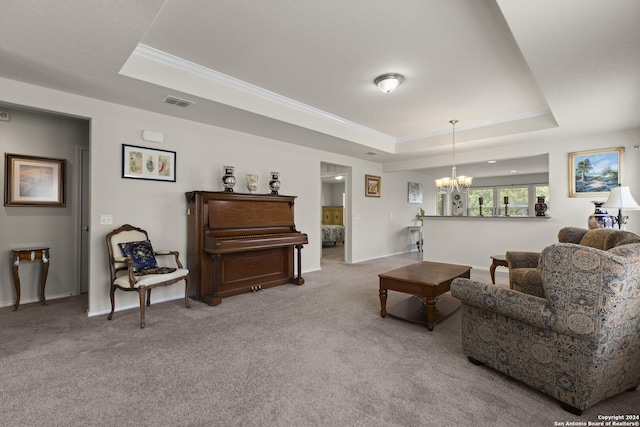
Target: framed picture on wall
415	192
148	163
594	173
34	181
372	186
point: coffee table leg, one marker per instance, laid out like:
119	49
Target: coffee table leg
431	312
383	302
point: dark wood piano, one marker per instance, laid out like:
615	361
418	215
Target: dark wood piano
240	243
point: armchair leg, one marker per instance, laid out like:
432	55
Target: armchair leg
186	292
572	409
142	293
474	361
113	302
148	297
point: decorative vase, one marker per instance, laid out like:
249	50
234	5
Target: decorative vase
274	183
541	207
252	183
600	218
228	180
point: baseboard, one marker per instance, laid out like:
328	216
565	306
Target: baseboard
131	306
24	301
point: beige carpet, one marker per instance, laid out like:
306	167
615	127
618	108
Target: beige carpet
317	354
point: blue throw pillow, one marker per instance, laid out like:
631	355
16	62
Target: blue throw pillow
141	253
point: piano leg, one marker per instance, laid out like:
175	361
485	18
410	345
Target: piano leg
299	280
213	298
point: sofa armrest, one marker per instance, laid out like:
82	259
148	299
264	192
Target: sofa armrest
521	259
517	305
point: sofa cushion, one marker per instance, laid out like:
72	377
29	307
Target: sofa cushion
571	234
620	237
596	238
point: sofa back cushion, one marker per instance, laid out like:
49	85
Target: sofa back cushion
571	234
620	237
597	238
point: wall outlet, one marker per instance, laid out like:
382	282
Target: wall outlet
106	219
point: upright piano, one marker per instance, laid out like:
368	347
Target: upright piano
240	243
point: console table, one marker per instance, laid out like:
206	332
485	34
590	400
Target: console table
418	241
30	254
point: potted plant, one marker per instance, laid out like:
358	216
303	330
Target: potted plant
419	217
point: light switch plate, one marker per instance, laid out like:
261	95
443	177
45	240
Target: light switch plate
106	219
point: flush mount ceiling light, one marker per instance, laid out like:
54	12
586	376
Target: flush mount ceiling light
388	82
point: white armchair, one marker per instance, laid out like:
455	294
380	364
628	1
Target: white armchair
133	266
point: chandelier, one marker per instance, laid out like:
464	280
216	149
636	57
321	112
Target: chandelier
460	183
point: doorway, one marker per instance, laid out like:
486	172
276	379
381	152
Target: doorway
336	209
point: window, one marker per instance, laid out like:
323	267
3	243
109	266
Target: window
473	198
521	200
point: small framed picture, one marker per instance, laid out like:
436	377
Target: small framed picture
148	163
594	173
34	181
372	186
415	192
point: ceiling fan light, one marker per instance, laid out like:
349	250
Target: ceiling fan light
387	83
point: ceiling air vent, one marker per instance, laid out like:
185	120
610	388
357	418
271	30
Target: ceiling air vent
178	102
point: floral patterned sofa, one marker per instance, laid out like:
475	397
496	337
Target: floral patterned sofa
581	343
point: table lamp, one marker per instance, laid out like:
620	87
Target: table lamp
621	198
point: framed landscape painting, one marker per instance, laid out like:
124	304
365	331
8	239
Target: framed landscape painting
34	181
594	173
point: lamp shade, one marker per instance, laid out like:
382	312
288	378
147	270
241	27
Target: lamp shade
621	198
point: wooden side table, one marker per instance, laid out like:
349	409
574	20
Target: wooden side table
497	261
31	254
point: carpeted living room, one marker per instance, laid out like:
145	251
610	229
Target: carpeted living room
317	354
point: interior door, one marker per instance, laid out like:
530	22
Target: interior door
84	221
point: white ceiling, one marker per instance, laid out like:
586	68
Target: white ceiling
302	71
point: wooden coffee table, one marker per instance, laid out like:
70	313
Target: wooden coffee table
428	280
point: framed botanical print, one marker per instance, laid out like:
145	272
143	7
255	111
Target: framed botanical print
34	181
372	186
148	163
594	173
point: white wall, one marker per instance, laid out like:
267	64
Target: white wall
332	194
202	150
41	135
